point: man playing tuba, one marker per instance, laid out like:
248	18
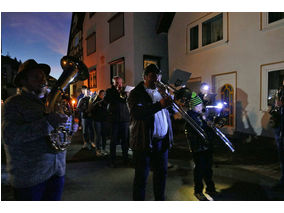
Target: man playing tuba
36	172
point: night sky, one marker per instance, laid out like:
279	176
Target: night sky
42	36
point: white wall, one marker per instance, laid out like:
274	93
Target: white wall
247	49
107	52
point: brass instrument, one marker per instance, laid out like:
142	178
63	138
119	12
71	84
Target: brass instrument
73	70
163	87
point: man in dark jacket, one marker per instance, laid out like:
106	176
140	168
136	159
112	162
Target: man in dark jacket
150	134
36	171
87	121
116	97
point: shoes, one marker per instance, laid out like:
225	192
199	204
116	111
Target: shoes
98	153
93	145
200	196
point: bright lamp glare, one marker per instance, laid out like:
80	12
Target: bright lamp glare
219	106
205	87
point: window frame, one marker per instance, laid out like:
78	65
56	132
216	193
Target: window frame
123	30
199	22
93	75
265	26
264	70
89	37
117	62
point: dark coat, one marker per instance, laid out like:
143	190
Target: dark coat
142	112
117	106
99	110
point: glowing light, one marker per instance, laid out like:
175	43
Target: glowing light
219	106
205	87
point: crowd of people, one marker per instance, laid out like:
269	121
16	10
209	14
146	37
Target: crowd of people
139	120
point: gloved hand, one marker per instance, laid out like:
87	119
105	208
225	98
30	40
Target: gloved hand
56	119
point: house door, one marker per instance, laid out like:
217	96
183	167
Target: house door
225	86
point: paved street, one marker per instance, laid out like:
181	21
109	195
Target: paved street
88	178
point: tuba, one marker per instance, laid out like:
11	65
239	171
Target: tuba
74	70
163	87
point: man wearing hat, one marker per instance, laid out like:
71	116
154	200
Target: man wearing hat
36	172
151	134
202	151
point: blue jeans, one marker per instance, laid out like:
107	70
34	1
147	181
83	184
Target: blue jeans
50	190
280	148
88	130
143	160
100	128
119	135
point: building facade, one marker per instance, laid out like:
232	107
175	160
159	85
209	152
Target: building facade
241	55
122	44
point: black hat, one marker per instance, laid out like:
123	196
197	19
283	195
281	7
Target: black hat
152	68
30	65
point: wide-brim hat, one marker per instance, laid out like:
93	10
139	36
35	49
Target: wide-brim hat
30	65
152	68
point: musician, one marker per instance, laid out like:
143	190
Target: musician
36	172
278	133
116	98
150	134
202	151
86	120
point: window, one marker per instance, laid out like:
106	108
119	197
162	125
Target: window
116	27
212	30
93	77
272	17
227	95
117	68
206	32
272	76
194	38
147	60
91	43
275	79
271	20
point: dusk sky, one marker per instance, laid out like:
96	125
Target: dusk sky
42	36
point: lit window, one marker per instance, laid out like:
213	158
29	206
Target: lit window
147	60
227	95
93	77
